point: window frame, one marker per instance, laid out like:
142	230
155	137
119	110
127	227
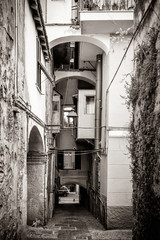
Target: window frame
63	120
75	158
86	109
38	59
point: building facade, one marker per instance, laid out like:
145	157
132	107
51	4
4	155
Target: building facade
88	40
26	94
63	115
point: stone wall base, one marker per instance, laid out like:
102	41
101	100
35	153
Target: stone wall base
97	206
119	217
36	195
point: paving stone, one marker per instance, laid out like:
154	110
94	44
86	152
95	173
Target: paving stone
75	223
49	236
112	234
56	228
81	238
34	238
48	231
61	225
68	228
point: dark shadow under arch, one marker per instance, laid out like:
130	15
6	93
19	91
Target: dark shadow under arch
74	182
71	76
35	141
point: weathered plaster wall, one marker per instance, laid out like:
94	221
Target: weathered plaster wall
12	131
61	16
119	186
33	95
118	114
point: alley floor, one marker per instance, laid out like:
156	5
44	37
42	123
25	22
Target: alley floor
75	222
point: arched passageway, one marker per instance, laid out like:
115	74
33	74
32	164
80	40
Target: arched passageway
35	141
72	193
36	165
80	38
75	60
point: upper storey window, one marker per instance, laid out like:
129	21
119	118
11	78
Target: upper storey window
38	65
69	116
67	122
90	105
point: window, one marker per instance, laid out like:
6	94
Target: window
38	65
67	121
90	105
56	113
69	160
60	160
56	106
77	160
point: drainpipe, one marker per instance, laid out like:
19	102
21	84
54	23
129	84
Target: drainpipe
97	123
98	102
16	50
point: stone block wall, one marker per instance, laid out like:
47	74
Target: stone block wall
36	192
12	132
119	217
98	206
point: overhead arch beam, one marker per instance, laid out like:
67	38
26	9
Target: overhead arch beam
80	182
79	38
87	76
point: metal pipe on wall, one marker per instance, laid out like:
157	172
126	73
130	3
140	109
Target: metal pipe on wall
98	101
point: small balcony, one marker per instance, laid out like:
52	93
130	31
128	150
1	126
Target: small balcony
105	16
106	5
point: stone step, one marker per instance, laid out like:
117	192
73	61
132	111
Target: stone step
61	225
82	238
46	238
67	232
111	235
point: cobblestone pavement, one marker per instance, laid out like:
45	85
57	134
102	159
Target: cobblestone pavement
75	222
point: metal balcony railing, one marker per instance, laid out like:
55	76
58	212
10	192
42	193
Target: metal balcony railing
108	5
98	6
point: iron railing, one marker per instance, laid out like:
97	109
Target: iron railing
98	6
112	5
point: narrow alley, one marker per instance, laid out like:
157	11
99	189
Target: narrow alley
79	119
72	221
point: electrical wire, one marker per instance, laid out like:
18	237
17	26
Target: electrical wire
88	128
77	152
133	36
155	12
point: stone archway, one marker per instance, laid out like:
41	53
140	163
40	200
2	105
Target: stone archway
36	170
35	141
81	38
85	76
